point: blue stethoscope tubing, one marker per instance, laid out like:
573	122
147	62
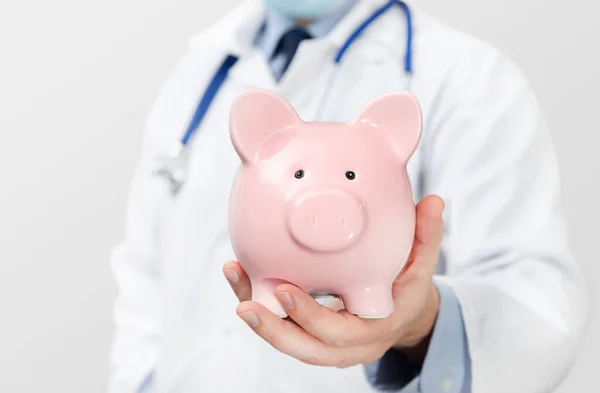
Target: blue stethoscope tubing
175	174
363	26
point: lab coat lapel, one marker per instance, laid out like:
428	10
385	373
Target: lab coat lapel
235	35
252	71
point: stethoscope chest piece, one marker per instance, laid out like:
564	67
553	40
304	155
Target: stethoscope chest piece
172	167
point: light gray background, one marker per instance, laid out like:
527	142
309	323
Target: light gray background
76	81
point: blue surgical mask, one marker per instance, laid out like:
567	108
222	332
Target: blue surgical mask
305	9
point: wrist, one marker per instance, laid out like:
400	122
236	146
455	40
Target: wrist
415	342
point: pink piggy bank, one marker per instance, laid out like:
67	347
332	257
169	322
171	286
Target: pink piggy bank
327	207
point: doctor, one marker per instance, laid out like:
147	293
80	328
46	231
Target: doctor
492	301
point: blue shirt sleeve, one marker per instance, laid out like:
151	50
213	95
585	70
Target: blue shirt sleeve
447	365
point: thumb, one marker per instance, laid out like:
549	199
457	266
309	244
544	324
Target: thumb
429	232
429	225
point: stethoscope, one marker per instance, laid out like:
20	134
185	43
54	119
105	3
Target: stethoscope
173	163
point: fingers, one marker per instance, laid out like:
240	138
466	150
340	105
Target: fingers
238	280
337	329
289	338
336	304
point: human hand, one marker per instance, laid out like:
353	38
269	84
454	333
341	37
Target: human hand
326	336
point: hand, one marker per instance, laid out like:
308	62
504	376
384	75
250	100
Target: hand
320	335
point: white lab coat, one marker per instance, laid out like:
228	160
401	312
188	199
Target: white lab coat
485	150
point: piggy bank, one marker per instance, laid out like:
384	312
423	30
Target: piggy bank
326	206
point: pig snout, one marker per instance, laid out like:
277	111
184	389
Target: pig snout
326	221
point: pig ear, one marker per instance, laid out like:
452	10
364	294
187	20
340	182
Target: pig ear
256	115
397	118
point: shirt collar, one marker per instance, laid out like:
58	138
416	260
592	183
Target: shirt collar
276	25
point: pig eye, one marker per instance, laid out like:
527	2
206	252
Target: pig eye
350	175
299	174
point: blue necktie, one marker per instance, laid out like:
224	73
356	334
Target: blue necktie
288	44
